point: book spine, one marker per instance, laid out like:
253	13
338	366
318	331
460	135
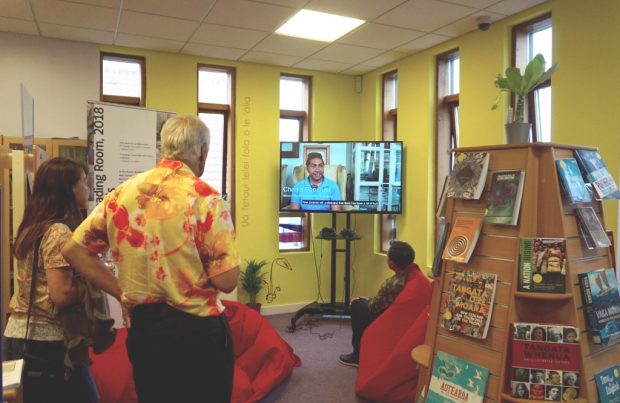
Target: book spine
592	323
525	264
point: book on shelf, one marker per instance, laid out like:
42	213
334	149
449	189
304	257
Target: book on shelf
463	238
545	361
608	384
441	203
571	180
469	175
594	170
456	380
468	303
504	199
590	228
542	265
443	227
601	304
12	373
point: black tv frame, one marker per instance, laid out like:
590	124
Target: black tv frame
294	151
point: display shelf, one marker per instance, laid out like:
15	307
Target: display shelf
544	213
542	296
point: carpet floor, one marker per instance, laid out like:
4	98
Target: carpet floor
320	378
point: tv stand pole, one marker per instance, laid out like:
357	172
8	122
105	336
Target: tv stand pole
333	308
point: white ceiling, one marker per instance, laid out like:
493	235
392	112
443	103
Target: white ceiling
244	29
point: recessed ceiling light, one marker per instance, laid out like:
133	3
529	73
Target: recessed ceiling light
318	26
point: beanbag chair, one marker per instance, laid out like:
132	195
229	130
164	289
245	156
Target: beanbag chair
386	372
262	360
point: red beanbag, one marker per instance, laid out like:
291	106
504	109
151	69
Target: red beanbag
386	372
262	360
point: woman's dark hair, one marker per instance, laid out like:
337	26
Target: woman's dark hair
401	253
52	201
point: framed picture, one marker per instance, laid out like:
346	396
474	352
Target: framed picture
289	150
323	150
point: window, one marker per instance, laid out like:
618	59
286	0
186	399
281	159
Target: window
529	39
389	123
123	79
294	228
447	137
215	106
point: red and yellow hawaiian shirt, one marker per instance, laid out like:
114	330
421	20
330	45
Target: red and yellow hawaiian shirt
169	232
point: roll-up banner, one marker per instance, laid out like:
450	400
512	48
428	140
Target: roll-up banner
122	142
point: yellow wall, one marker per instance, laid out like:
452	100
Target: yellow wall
585	111
585	100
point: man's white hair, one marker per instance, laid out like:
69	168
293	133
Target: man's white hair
182	136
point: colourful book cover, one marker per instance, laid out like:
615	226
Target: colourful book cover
608	384
594	170
468	303
601	304
455	380
542	265
545	362
504	199
572	182
463	238
468	176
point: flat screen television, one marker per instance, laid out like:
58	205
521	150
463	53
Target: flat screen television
341	177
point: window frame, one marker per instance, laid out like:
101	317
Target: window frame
520	45
446	121
228	142
389	132
303	116
118	99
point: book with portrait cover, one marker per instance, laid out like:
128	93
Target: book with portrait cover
601	304
571	180
594	170
468	303
469	175
545	361
463	238
608	384
542	265
504	199
456	380
590	228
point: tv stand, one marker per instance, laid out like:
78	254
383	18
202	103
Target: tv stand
332	309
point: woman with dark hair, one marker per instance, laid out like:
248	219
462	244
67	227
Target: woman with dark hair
51	214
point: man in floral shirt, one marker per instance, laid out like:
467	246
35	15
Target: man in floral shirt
364	311
173	241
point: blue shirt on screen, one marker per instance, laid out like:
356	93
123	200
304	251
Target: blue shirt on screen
303	192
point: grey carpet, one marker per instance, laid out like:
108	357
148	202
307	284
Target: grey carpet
318	342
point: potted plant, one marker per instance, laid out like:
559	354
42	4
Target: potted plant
253	281
517	130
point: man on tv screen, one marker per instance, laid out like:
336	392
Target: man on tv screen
315	192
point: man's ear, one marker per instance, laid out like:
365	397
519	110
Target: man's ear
204	151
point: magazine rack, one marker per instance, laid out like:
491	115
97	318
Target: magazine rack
544	213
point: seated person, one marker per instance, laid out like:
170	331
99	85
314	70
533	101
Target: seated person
316	191
364	311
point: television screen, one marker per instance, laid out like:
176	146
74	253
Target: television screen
341	176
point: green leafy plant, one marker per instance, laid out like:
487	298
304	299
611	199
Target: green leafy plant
521	85
253	278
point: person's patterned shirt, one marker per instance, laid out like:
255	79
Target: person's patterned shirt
169	232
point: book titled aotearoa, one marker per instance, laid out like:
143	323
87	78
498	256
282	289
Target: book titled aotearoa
456	380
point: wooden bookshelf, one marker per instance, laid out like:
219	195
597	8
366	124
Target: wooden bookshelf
544	213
